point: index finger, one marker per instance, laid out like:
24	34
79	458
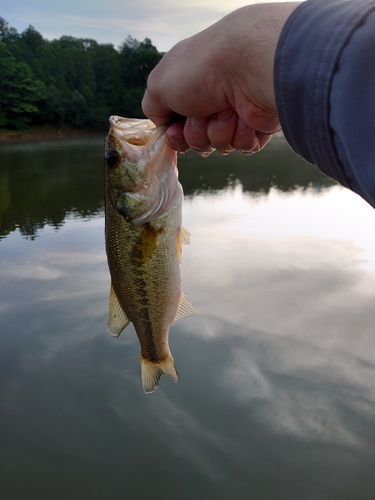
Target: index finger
155	110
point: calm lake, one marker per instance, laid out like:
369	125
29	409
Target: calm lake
276	398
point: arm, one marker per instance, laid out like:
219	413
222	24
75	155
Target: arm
325	89
222	85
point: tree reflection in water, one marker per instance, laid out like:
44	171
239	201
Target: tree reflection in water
42	182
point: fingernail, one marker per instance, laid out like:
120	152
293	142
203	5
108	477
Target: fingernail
206	154
208	150
224	116
256	148
225	152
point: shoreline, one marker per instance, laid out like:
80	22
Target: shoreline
45	133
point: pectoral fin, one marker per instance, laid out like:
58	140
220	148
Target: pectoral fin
185	236
185	308
117	319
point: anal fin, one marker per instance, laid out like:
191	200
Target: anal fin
117	319
185	308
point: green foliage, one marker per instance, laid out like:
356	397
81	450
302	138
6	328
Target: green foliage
28	43
138	59
7	34
19	91
76	109
71	80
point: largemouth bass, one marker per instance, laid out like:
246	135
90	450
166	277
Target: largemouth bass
143	214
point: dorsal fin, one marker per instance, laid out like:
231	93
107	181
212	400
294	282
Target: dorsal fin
117	319
185	308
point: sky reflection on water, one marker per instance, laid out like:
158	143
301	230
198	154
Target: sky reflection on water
276	397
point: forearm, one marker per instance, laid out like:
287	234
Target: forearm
324	78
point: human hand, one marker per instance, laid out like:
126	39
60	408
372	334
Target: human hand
216	87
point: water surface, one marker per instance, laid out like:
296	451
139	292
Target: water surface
276	398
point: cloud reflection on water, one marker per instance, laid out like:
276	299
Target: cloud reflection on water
277	369
294	311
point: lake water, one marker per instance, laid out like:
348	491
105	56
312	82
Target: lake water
276	398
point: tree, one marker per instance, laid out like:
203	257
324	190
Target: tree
52	107
137	61
76	109
79	74
28	43
8	34
106	63
65	67
49	65
70	80
19	91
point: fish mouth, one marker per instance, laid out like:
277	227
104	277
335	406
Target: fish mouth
135	131
143	144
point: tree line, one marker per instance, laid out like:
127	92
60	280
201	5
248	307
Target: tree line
74	81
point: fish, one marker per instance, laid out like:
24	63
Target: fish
144	237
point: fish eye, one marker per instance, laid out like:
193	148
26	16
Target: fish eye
111	158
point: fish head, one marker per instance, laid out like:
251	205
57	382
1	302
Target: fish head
140	169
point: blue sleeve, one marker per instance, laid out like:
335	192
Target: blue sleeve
324	77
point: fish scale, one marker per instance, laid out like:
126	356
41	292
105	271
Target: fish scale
143	241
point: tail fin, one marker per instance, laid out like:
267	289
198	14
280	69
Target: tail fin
152	371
